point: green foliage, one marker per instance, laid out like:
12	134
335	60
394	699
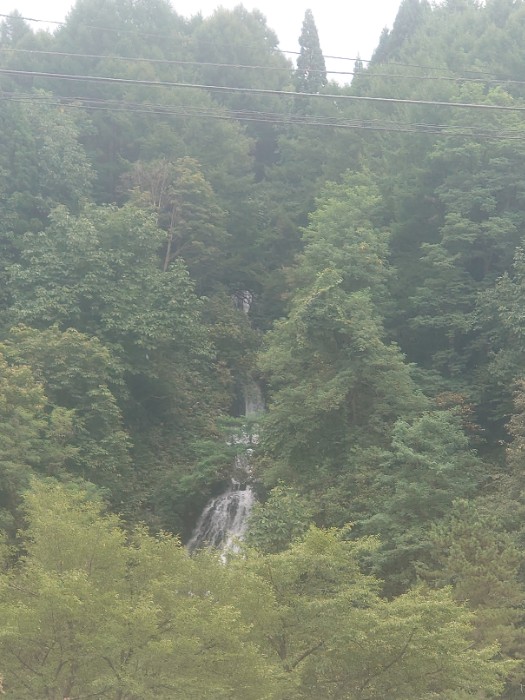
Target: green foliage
481	210
155	377
187	209
234	338
42	163
283	518
310	75
500	309
347	233
333	378
34	438
410	17
100	274
13	29
89	610
428	467
516	429
334	381
481	561
472	552
77	373
335	637
369	244
245	49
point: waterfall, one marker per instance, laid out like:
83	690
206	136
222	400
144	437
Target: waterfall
224	519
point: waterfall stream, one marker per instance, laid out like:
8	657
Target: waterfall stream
225	518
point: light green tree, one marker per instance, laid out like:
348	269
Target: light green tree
335	637
34	437
282	518
79	374
89	610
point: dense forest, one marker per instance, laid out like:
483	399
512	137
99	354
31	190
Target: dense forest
160	174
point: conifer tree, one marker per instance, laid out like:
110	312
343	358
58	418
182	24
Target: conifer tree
310	75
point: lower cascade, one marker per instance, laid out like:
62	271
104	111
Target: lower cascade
224	520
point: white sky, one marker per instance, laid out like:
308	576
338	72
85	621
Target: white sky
346	27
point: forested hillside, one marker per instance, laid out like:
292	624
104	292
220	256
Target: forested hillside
157	173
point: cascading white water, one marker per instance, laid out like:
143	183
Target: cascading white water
224	520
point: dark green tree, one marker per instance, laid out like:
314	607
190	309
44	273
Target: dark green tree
246	52
335	384
187	209
101	274
310	75
472	553
429	465
410	17
499	312
42	163
13	29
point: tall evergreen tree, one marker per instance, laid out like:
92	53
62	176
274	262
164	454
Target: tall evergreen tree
310	75
334	383
409	19
13	29
473	553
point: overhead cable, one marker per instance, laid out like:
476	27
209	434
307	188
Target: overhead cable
285	51
258	91
291	69
288	119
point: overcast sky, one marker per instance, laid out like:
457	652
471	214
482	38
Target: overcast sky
346	27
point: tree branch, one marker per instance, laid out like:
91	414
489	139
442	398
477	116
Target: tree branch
304	655
391	663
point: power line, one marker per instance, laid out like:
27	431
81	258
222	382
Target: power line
122	31
284	51
47	97
192	111
162	61
172	62
31	19
258	91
